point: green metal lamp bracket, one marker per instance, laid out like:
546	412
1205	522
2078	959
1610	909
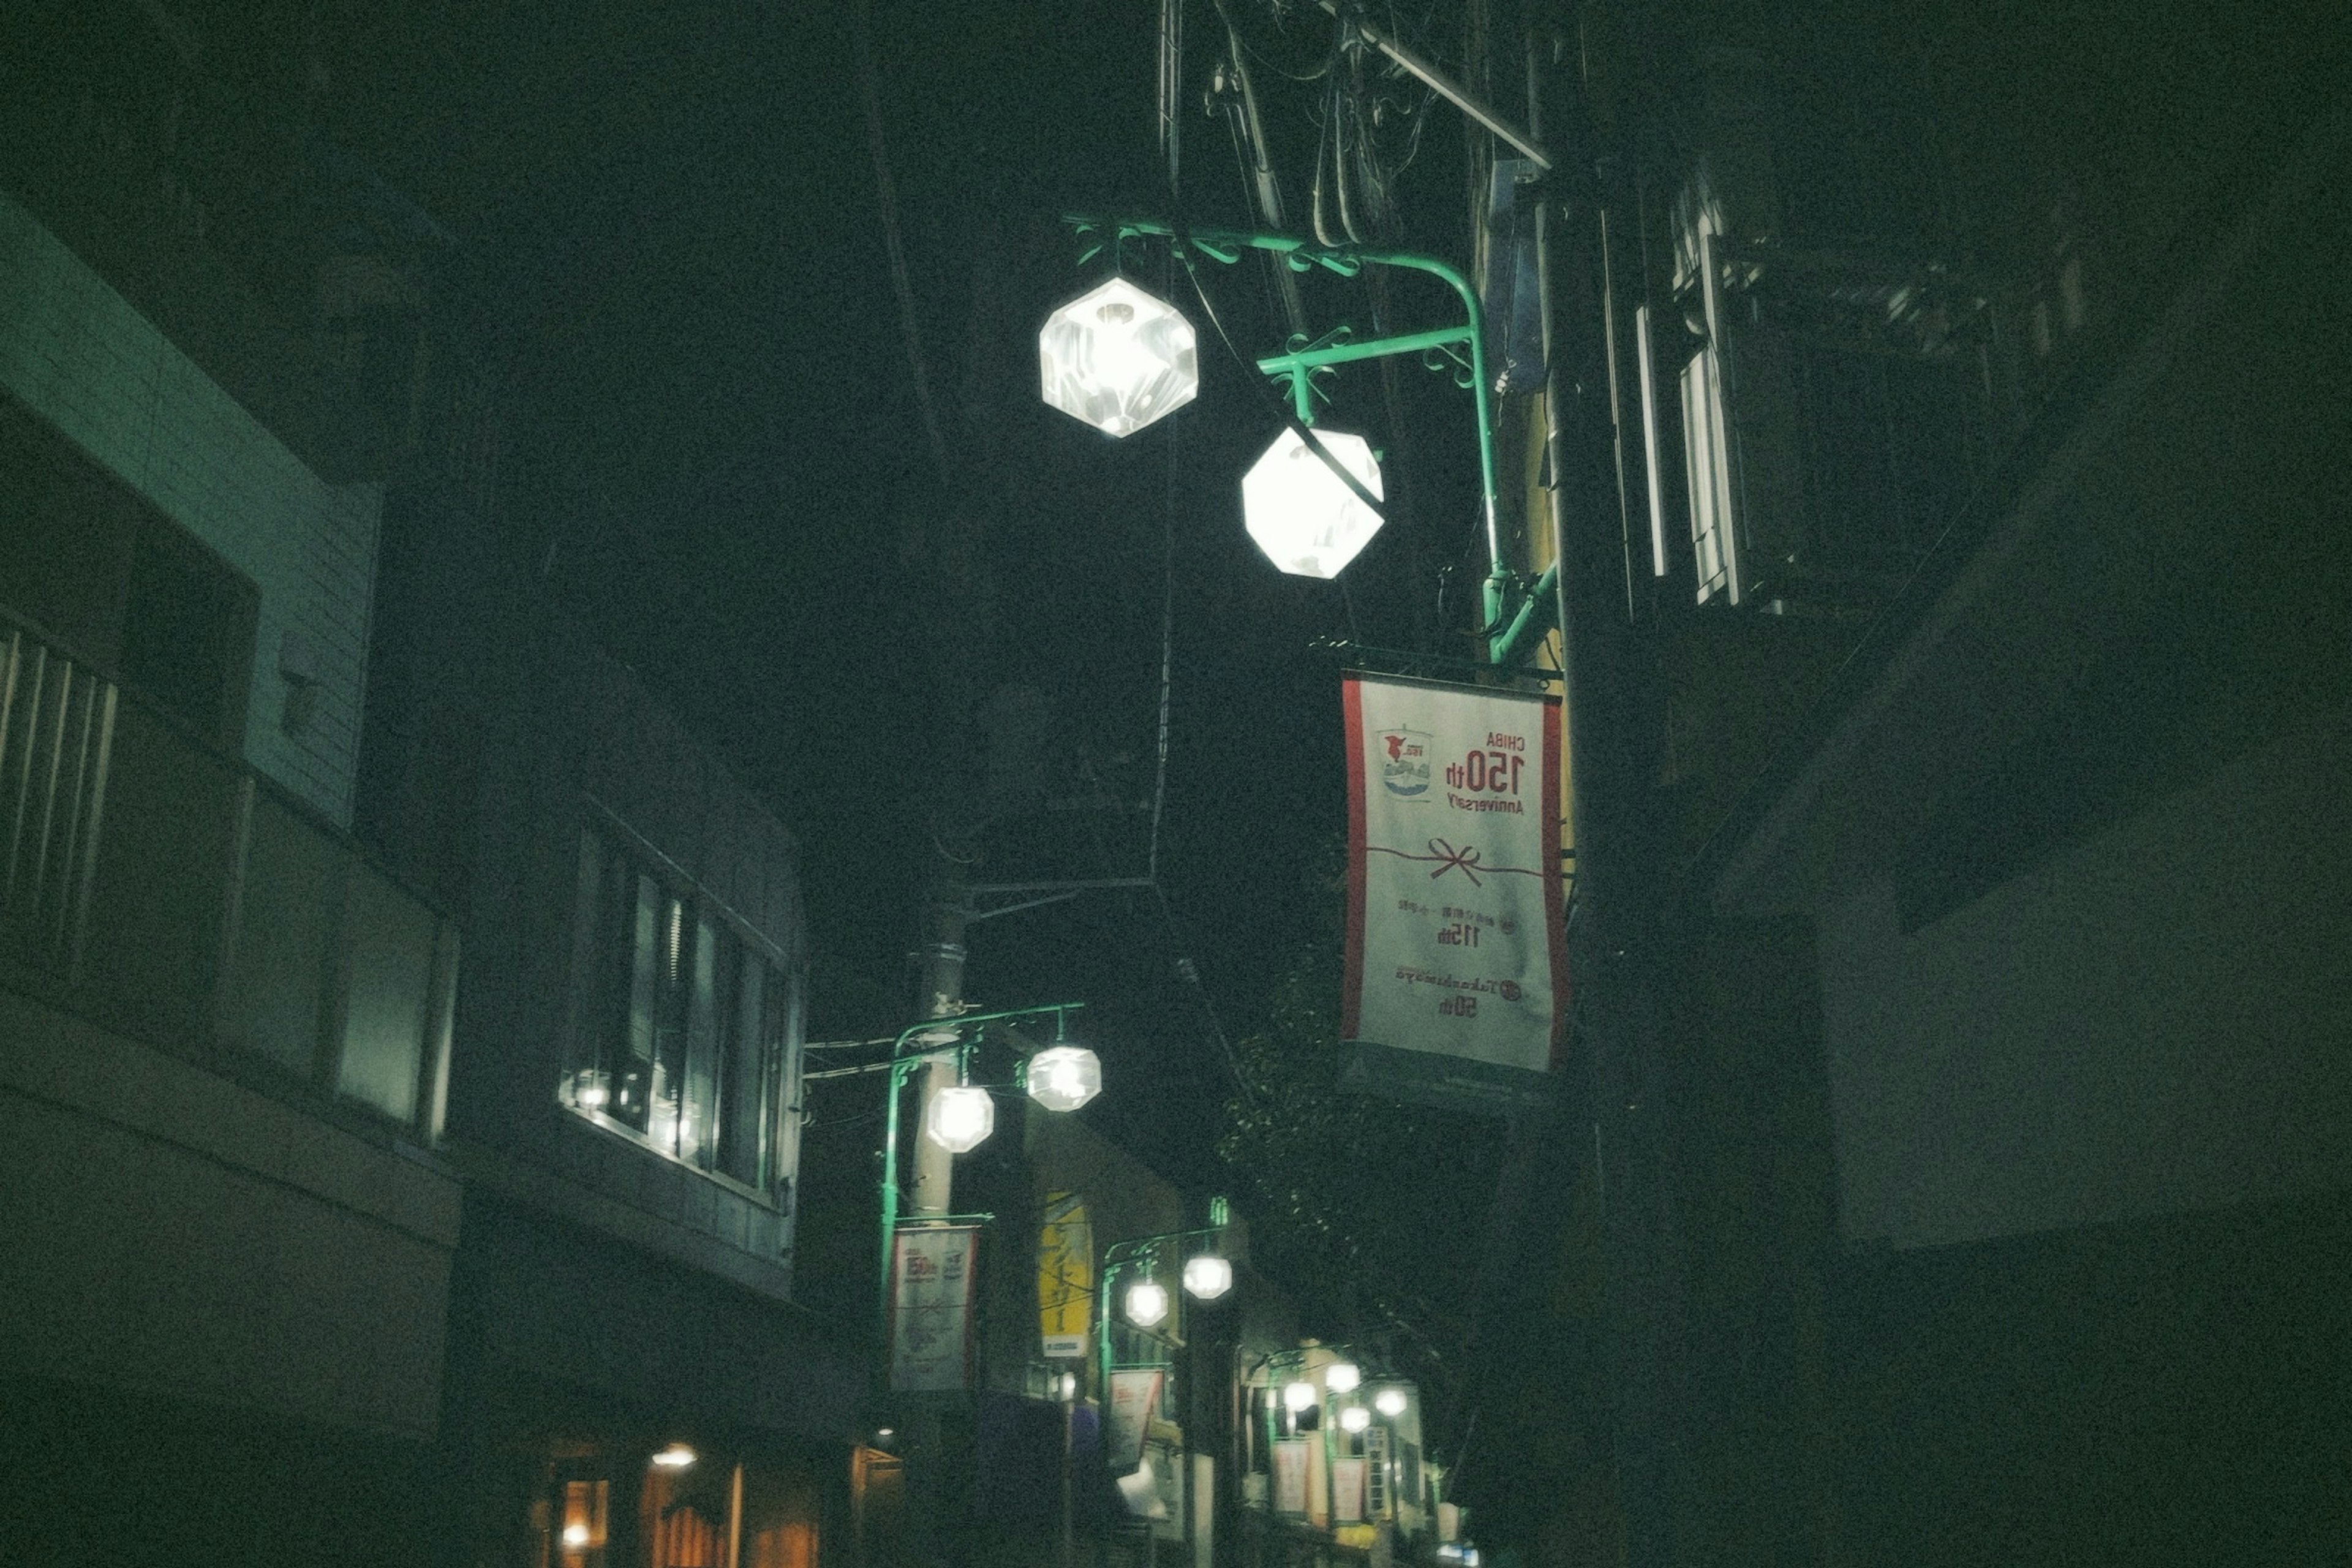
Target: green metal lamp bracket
1297	365
1121	1258
911	1050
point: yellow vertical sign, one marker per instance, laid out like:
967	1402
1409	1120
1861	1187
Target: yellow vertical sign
1065	1275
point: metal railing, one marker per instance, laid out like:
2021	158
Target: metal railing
161	889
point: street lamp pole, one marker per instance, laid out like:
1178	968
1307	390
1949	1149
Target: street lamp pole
1206	1276
919	1046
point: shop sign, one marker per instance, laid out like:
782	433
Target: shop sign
1065	1276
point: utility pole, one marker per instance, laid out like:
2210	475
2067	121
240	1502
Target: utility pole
932	1472
1612	724
939	995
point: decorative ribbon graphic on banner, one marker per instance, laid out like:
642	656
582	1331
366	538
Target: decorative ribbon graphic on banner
1465	860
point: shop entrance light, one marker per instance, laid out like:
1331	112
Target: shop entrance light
1118	358
1063	1078
960	1118
1304	516
1147	1303
1208	1276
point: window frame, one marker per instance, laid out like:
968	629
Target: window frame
591	986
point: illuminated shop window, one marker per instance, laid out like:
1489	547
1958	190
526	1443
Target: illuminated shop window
679	1038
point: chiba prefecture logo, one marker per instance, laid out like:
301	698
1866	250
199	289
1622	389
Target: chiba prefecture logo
1404	758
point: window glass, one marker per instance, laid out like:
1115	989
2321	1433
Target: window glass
748	1078
697	1118
641	966
581	1534
681	1027
391	960
280	969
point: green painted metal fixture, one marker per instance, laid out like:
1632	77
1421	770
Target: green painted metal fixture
1298	364
1143	1253
917	1045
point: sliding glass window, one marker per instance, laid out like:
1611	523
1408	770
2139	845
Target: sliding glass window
680	1028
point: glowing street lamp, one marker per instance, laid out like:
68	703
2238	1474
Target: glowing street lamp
1390	1402
1304	516
677	1457
1298	1397
1518	614
1147	1303
1207	1277
960	1118
1342	1376
1118	358
1355	1418
1063	1078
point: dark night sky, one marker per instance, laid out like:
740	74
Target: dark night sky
669	221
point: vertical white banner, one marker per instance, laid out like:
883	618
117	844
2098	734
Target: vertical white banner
1134	1401
1457	974
1347	1490
931	1277
1289	1475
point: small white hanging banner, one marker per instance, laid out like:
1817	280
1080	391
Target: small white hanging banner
933	1269
1456	970
1134	1400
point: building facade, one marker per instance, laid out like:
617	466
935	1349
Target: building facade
327	1248
1954	1128
225	1024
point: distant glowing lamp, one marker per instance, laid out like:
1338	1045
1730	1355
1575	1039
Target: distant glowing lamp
1147	1303
1355	1418
575	1535
960	1118
677	1457
1118	358
1063	1078
1208	1276
1304	516
1390	1402
1342	1376
1298	1396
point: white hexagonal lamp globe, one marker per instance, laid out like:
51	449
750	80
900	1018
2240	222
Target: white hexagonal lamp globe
1063	1078
1147	1303
1304	516
960	1118
1208	1276
1355	1418
1390	1402
1342	1376
1298	1397
1118	358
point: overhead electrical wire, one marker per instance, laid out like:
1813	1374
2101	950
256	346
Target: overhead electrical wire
1224	15
887	195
